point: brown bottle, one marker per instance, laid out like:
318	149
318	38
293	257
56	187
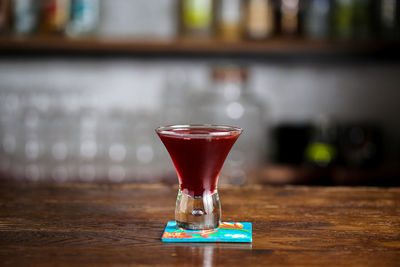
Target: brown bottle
55	16
230	20
5	16
290	12
259	19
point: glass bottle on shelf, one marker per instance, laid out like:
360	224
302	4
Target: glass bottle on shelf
5	16
230	20
342	19
197	18
290	17
25	16
55	16
84	17
229	102
362	19
259	19
389	13
321	151
316	18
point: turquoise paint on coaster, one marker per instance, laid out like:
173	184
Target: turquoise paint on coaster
227	232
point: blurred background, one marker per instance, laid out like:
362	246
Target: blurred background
314	83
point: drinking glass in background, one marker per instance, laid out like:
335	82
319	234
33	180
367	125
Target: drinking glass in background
63	130
34	134
115	136
89	149
10	114
67	135
149	158
175	98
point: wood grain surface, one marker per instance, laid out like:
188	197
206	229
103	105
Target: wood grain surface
120	225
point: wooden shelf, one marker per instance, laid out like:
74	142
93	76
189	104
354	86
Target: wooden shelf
43	45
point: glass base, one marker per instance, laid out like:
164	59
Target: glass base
200	213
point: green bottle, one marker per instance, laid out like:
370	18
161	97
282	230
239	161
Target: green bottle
197	17
342	19
362	19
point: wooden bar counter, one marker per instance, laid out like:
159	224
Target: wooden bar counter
121	225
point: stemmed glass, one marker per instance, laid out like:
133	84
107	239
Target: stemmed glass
198	152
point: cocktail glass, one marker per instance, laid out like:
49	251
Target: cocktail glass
198	152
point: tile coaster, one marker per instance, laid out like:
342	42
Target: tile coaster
226	232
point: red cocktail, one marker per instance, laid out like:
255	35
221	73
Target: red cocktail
198	153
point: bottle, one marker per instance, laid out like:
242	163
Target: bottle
316	19
343	16
388	15
5	16
84	17
230	20
55	16
197	18
321	151
361	145
25	16
259	19
362	19
229	102
139	19
290	13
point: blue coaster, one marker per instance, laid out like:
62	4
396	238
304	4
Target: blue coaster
226	232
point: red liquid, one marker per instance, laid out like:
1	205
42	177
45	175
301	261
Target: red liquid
198	159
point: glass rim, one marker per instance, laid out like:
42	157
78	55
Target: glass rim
229	130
